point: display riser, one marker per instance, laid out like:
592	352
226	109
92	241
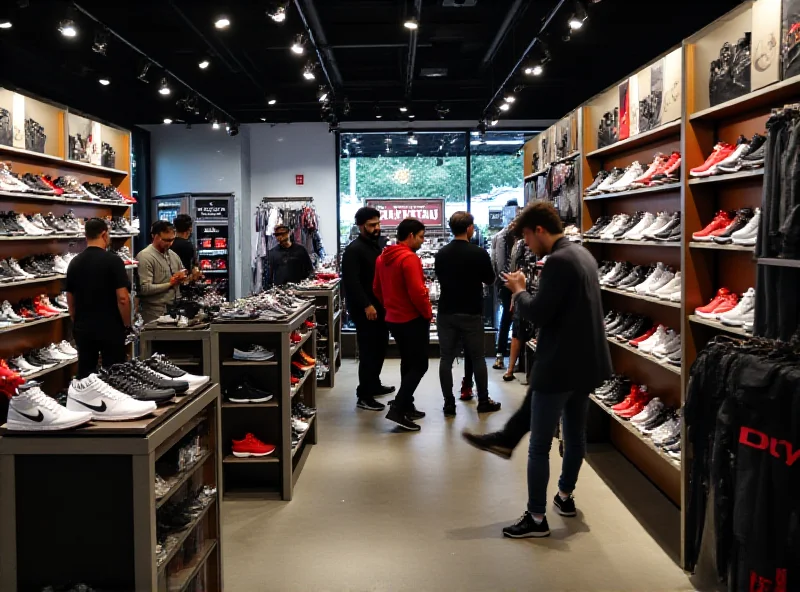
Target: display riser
189	349
329	314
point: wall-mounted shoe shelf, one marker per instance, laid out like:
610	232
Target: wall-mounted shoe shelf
729	178
636	192
631	243
637	296
717	247
635	350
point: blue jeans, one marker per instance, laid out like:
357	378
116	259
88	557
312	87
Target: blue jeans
546	410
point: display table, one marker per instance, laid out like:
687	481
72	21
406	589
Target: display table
329	316
80	505
189	348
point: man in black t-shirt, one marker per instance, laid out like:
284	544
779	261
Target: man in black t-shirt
182	246
462	270
289	263
98	295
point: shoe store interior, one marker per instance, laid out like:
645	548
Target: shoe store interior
377	295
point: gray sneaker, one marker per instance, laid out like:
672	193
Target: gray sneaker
253	353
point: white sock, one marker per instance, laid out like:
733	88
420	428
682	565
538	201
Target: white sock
563	498
537	520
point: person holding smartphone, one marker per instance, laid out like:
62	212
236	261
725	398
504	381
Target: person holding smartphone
160	272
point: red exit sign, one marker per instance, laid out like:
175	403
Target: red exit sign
299	179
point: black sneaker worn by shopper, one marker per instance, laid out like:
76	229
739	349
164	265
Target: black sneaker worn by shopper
449	408
401	419
526	528
384	390
488	406
565	507
489	442
414	414
370	404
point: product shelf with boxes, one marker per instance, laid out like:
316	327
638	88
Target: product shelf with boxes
329	323
161	514
274	475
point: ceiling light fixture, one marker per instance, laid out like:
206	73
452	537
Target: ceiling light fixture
215	125
167	121
68	28
278	12
411	24
263	119
308	71
204	64
493	122
272	101
403	108
411	116
579	16
104	81
505	107
164	88
322	94
535	70
509	98
378	114
222	23
5	24
299	45
100	44
143	72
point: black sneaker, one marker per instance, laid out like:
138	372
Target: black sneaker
488	406
565	507
449	408
246	393
384	390
401	419
415	414
144	373
370	404
489	442
526	528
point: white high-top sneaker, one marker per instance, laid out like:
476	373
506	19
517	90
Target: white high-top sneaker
658	338
653	408
614	271
742	313
662	281
671	344
57	354
732	159
666	291
747	236
9	313
635	233
28	226
633	172
661	221
59	265
26	368
619	221
14	265
32	410
105	402
66	347
644	287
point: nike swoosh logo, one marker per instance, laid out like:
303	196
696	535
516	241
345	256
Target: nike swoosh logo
99	408
37	418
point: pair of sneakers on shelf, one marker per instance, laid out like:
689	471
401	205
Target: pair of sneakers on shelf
729	158
664	169
657	281
738	228
727	308
637	227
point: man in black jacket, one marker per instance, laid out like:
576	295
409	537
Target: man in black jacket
289	263
358	272
572	359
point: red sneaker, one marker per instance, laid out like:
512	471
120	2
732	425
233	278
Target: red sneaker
48	181
707	311
629	400
721	151
638	340
716	227
295	337
728	304
221	264
307	358
302	366
44	302
466	391
658	165
294	380
309	324
220	243
635	409
251	446
205	243
42	310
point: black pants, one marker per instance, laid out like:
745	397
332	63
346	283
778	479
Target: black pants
456	330
504	295
413	339
91	347
518	424
373	339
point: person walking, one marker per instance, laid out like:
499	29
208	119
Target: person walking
289	263
160	272
399	286
572	359
365	310
501	255
462	270
99	301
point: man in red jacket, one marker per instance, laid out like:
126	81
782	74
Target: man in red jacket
399	285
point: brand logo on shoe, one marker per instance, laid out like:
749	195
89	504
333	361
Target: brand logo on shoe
37	418
99	408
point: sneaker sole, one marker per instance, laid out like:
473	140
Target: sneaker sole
527	535
34	427
416	428
562	513
504	453
250	454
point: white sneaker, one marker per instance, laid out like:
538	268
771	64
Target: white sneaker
8	312
654	407
25	367
34	411
731	160
659	283
614	270
105	403
666	291
14	265
644	288
57	354
671	344
742	313
655	339
299	425
66	347
59	265
618	222
747	236
160	365
61	300
661	220
635	233
166	320
633	172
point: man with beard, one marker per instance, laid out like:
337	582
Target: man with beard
365	310
400	287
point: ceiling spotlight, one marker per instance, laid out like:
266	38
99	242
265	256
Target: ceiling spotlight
403	108
411	116
272	101
411	24
68	28
100	44
278	12
322	94
164	88
575	23
167	121
378	114
536	70
143	72
308	71
494	121
232	129
263	119
215	125
104	81
204	64
510	98
299	45
505	107
222	23
579	17
5	24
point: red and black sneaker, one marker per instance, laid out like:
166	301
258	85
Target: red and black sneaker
466	390
302	366
309	324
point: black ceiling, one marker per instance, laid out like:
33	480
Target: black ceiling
365	52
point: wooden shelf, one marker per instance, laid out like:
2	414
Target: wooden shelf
184	477
269	404
184	534
640	297
632	243
270	362
636	192
275	457
296	388
59	366
303	436
720	326
44	280
764	99
728	178
34	323
32	196
62	237
666	365
777	262
627	425
665	131
717	247
179	581
73	164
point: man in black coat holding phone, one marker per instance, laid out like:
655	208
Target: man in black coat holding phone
372	335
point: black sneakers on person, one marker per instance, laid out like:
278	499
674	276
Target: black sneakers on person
401	419
488	406
449	407
370	404
526	528
565	507
489	442
384	390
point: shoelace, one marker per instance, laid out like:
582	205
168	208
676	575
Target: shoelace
102	387
37	396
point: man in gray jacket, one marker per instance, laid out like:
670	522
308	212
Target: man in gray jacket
572	359
160	272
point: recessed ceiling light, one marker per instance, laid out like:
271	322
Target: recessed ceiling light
411	24
534	71
411	116
4	24
263	119
575	22
222	22
104	81
403	109
510	98
299	45
278	14
505	107
272	101
167	121
68	28
204	64
164	88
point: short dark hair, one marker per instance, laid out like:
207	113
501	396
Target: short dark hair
94	227
364	215
183	222
407	227
160	226
460	221
540	213
281	228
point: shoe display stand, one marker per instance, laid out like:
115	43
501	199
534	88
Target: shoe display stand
91	490
188	348
329	315
54	162
273	476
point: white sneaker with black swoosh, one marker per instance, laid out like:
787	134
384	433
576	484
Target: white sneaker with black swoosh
33	411
105	402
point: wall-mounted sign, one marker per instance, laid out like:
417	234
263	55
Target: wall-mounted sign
393	211
211	209
299	179
496	218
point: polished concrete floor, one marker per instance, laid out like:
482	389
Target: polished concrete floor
378	510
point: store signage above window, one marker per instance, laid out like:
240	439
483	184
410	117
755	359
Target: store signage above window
211	209
393	211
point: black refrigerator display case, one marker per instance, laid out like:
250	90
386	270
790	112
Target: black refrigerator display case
213	233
